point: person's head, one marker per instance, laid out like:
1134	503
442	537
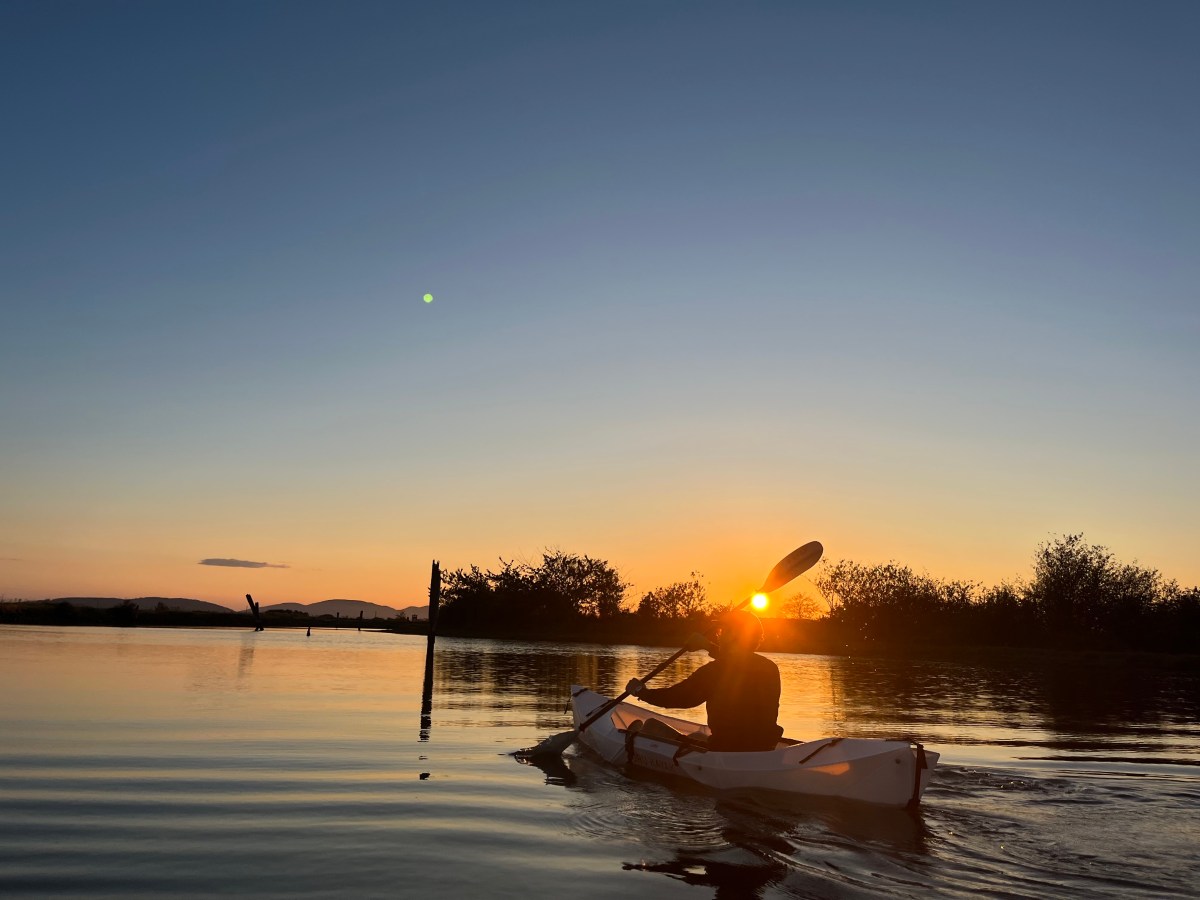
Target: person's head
740	630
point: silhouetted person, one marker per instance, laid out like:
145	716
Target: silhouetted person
309	634
740	687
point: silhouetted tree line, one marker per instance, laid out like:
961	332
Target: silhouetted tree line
1080	596
62	612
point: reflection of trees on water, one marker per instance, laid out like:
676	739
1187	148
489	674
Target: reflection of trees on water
907	697
538	677
521	676
544	670
1116	697
1068	696
911	699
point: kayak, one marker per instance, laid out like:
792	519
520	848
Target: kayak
888	773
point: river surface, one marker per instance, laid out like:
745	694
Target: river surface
148	762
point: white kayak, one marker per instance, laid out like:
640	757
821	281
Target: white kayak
889	773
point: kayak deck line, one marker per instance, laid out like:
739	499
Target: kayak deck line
890	773
831	742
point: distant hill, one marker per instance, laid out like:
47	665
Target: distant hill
147	604
350	609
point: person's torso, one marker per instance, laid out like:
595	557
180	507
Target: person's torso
743	698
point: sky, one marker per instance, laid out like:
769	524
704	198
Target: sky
710	280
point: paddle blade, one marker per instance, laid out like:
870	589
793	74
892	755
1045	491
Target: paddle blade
551	746
795	563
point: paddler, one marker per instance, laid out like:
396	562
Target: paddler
740	687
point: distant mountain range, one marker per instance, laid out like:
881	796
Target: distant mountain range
146	603
344	608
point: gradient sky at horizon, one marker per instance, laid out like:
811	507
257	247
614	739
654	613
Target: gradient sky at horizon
711	280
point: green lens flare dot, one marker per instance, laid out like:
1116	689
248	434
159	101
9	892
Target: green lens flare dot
429	298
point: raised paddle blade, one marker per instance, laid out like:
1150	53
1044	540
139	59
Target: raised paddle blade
794	564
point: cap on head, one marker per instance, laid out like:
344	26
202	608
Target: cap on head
741	628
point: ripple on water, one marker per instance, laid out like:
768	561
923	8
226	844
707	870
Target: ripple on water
615	803
1056	835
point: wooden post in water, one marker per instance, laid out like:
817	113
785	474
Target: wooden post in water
258	626
435	596
435	593
360	612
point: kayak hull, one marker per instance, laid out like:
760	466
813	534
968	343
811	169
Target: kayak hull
887	773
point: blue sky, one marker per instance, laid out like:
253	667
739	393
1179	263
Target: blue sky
711	280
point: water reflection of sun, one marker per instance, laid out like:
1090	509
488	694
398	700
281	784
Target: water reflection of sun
810	704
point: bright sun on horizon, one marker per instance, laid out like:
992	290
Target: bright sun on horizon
759	601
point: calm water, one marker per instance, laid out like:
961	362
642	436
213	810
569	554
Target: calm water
153	762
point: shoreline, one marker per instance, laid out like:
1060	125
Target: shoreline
669	636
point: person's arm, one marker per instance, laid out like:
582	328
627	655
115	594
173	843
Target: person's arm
692	691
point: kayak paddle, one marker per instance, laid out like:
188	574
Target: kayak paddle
791	566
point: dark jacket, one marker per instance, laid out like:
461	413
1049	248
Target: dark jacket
742	693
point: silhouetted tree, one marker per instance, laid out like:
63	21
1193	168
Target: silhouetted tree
802	606
1080	591
125	614
681	600
1002	615
890	601
1177	622
590	586
563	589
